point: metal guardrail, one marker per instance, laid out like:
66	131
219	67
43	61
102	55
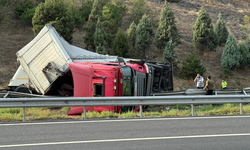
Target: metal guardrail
11	94
122	101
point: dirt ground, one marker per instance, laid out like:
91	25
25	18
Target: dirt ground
14	35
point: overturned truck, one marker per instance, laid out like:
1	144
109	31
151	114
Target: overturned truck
51	66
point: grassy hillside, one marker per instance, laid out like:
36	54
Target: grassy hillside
14	35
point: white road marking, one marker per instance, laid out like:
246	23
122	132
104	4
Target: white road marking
124	140
123	120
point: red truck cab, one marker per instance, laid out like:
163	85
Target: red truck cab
107	79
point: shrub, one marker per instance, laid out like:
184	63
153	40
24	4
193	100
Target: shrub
225	73
191	66
138	10
246	26
22	6
65	110
245	55
120	46
8	3
58	14
27	15
79	20
85	10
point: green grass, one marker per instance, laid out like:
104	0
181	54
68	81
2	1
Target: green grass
16	114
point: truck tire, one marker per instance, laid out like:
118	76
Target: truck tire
22	90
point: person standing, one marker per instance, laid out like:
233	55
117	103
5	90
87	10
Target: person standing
199	81
223	84
209	86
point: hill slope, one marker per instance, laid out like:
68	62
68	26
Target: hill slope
14	35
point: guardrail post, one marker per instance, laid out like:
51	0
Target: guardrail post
24	117
84	107
192	109
141	115
241	108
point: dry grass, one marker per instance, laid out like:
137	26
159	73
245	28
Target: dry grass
14	35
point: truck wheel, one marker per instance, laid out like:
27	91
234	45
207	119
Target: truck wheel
22	90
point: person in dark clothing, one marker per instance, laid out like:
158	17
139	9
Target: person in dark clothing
209	86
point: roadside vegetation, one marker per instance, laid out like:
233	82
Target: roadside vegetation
156	30
16	114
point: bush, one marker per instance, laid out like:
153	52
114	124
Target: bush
225	73
58	14
8	3
22	6
121	46
85	10
27	15
245	54
191	66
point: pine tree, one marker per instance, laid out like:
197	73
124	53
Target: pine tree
86	9
203	34
131	34
113	13
231	54
191	66
144	36
167	29
170	55
91	24
56	13
245	55
99	38
138	10
221	30
120	46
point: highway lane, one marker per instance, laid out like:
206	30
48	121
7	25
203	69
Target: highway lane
225	132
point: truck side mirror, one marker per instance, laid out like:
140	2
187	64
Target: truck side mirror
120	59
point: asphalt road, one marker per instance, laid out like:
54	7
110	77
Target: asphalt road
189	133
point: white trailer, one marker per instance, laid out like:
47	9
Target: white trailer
47	56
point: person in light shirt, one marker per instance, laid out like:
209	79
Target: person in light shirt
199	81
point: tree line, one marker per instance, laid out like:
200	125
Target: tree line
102	19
